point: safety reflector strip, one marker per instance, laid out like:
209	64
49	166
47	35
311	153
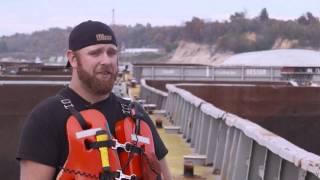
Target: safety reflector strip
86	133
141	139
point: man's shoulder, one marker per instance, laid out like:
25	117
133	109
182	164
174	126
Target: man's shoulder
48	106
48	102
46	114
53	102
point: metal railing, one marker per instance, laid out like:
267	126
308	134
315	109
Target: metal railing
222	73
205	73
153	95
238	149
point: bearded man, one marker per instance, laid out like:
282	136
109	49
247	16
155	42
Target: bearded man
93	57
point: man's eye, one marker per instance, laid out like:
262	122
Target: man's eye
94	53
111	52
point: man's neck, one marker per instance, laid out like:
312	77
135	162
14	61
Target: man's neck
86	94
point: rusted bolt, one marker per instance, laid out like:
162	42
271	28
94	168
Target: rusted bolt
216	171
188	169
159	123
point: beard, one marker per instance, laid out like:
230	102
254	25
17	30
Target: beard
98	86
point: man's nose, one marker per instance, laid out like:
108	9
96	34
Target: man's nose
105	59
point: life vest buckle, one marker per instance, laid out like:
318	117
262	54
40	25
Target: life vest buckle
119	145
126	109
66	103
125	177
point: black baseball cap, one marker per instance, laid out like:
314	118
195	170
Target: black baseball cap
90	33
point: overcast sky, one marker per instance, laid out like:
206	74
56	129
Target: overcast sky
26	16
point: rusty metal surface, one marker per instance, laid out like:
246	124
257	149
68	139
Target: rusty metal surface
167	64
35	77
16	101
161	84
45	70
291	112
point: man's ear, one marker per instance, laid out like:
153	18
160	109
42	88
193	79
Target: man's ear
117	68
72	58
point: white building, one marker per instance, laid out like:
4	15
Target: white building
293	64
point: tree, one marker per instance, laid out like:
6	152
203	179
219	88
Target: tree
238	16
311	18
264	16
303	20
307	19
194	29
3	47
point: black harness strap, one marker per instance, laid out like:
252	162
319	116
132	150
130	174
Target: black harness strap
70	107
130	109
134	149
111	143
107	175
96	145
79	117
136	116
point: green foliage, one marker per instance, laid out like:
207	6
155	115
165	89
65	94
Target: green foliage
194	30
52	42
171	47
229	35
264	16
3	47
238	16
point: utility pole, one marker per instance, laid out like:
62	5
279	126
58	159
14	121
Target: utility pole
113	18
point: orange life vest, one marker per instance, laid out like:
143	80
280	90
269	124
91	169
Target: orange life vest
131	161
93	157
136	132
84	163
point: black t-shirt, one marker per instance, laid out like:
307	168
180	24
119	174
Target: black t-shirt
44	140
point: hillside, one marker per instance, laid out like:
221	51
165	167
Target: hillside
193	53
209	41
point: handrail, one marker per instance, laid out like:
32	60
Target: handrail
278	145
157	91
236	130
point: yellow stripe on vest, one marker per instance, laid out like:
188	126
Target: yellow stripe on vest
103	150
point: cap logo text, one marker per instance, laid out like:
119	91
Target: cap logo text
102	37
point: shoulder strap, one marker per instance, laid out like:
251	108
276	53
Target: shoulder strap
125	106
70	107
136	116
131	108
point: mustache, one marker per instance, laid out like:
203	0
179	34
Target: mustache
106	69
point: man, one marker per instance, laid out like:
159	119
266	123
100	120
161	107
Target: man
93	56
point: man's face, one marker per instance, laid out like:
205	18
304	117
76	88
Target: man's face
97	67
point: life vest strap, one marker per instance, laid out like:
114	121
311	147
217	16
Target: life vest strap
118	175
107	175
114	144
95	145
133	148
70	107
128	147
79	117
